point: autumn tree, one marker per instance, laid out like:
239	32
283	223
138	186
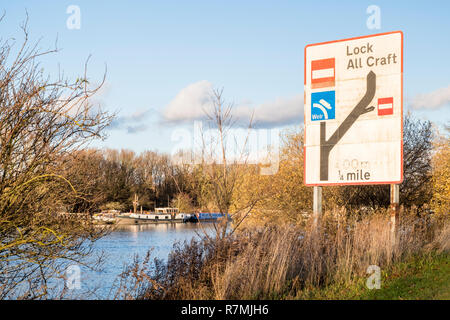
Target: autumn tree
440	201
84	169
43	119
283	196
287	200
416	186
222	161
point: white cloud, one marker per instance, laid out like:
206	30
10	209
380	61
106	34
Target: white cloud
433	100
281	111
76	105
191	103
133	123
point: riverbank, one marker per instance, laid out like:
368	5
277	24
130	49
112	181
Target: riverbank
424	277
289	262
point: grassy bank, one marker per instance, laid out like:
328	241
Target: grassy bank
288	262
425	277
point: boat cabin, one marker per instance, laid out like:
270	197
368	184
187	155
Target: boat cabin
171	211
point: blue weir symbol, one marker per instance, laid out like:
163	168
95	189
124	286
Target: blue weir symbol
323	106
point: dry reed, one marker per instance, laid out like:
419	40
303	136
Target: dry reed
275	262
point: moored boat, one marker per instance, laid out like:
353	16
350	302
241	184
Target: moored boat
106	217
207	217
161	215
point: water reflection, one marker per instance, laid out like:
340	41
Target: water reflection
126	241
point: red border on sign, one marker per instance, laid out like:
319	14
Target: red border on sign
304	117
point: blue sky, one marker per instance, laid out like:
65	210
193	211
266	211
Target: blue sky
164	55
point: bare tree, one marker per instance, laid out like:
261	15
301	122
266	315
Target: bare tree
416	187
42	121
220	171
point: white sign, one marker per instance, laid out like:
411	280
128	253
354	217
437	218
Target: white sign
354	111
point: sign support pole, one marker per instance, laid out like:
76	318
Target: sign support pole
317	205
395	197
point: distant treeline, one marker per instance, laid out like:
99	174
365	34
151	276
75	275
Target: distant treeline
111	178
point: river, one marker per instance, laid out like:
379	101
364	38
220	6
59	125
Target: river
122	244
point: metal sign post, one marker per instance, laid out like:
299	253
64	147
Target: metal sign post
395	208
317	206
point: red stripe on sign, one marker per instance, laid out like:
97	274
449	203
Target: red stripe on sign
322	64
325	82
385	100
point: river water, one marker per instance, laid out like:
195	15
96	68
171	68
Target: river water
122	244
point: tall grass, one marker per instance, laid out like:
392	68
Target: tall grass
276	262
